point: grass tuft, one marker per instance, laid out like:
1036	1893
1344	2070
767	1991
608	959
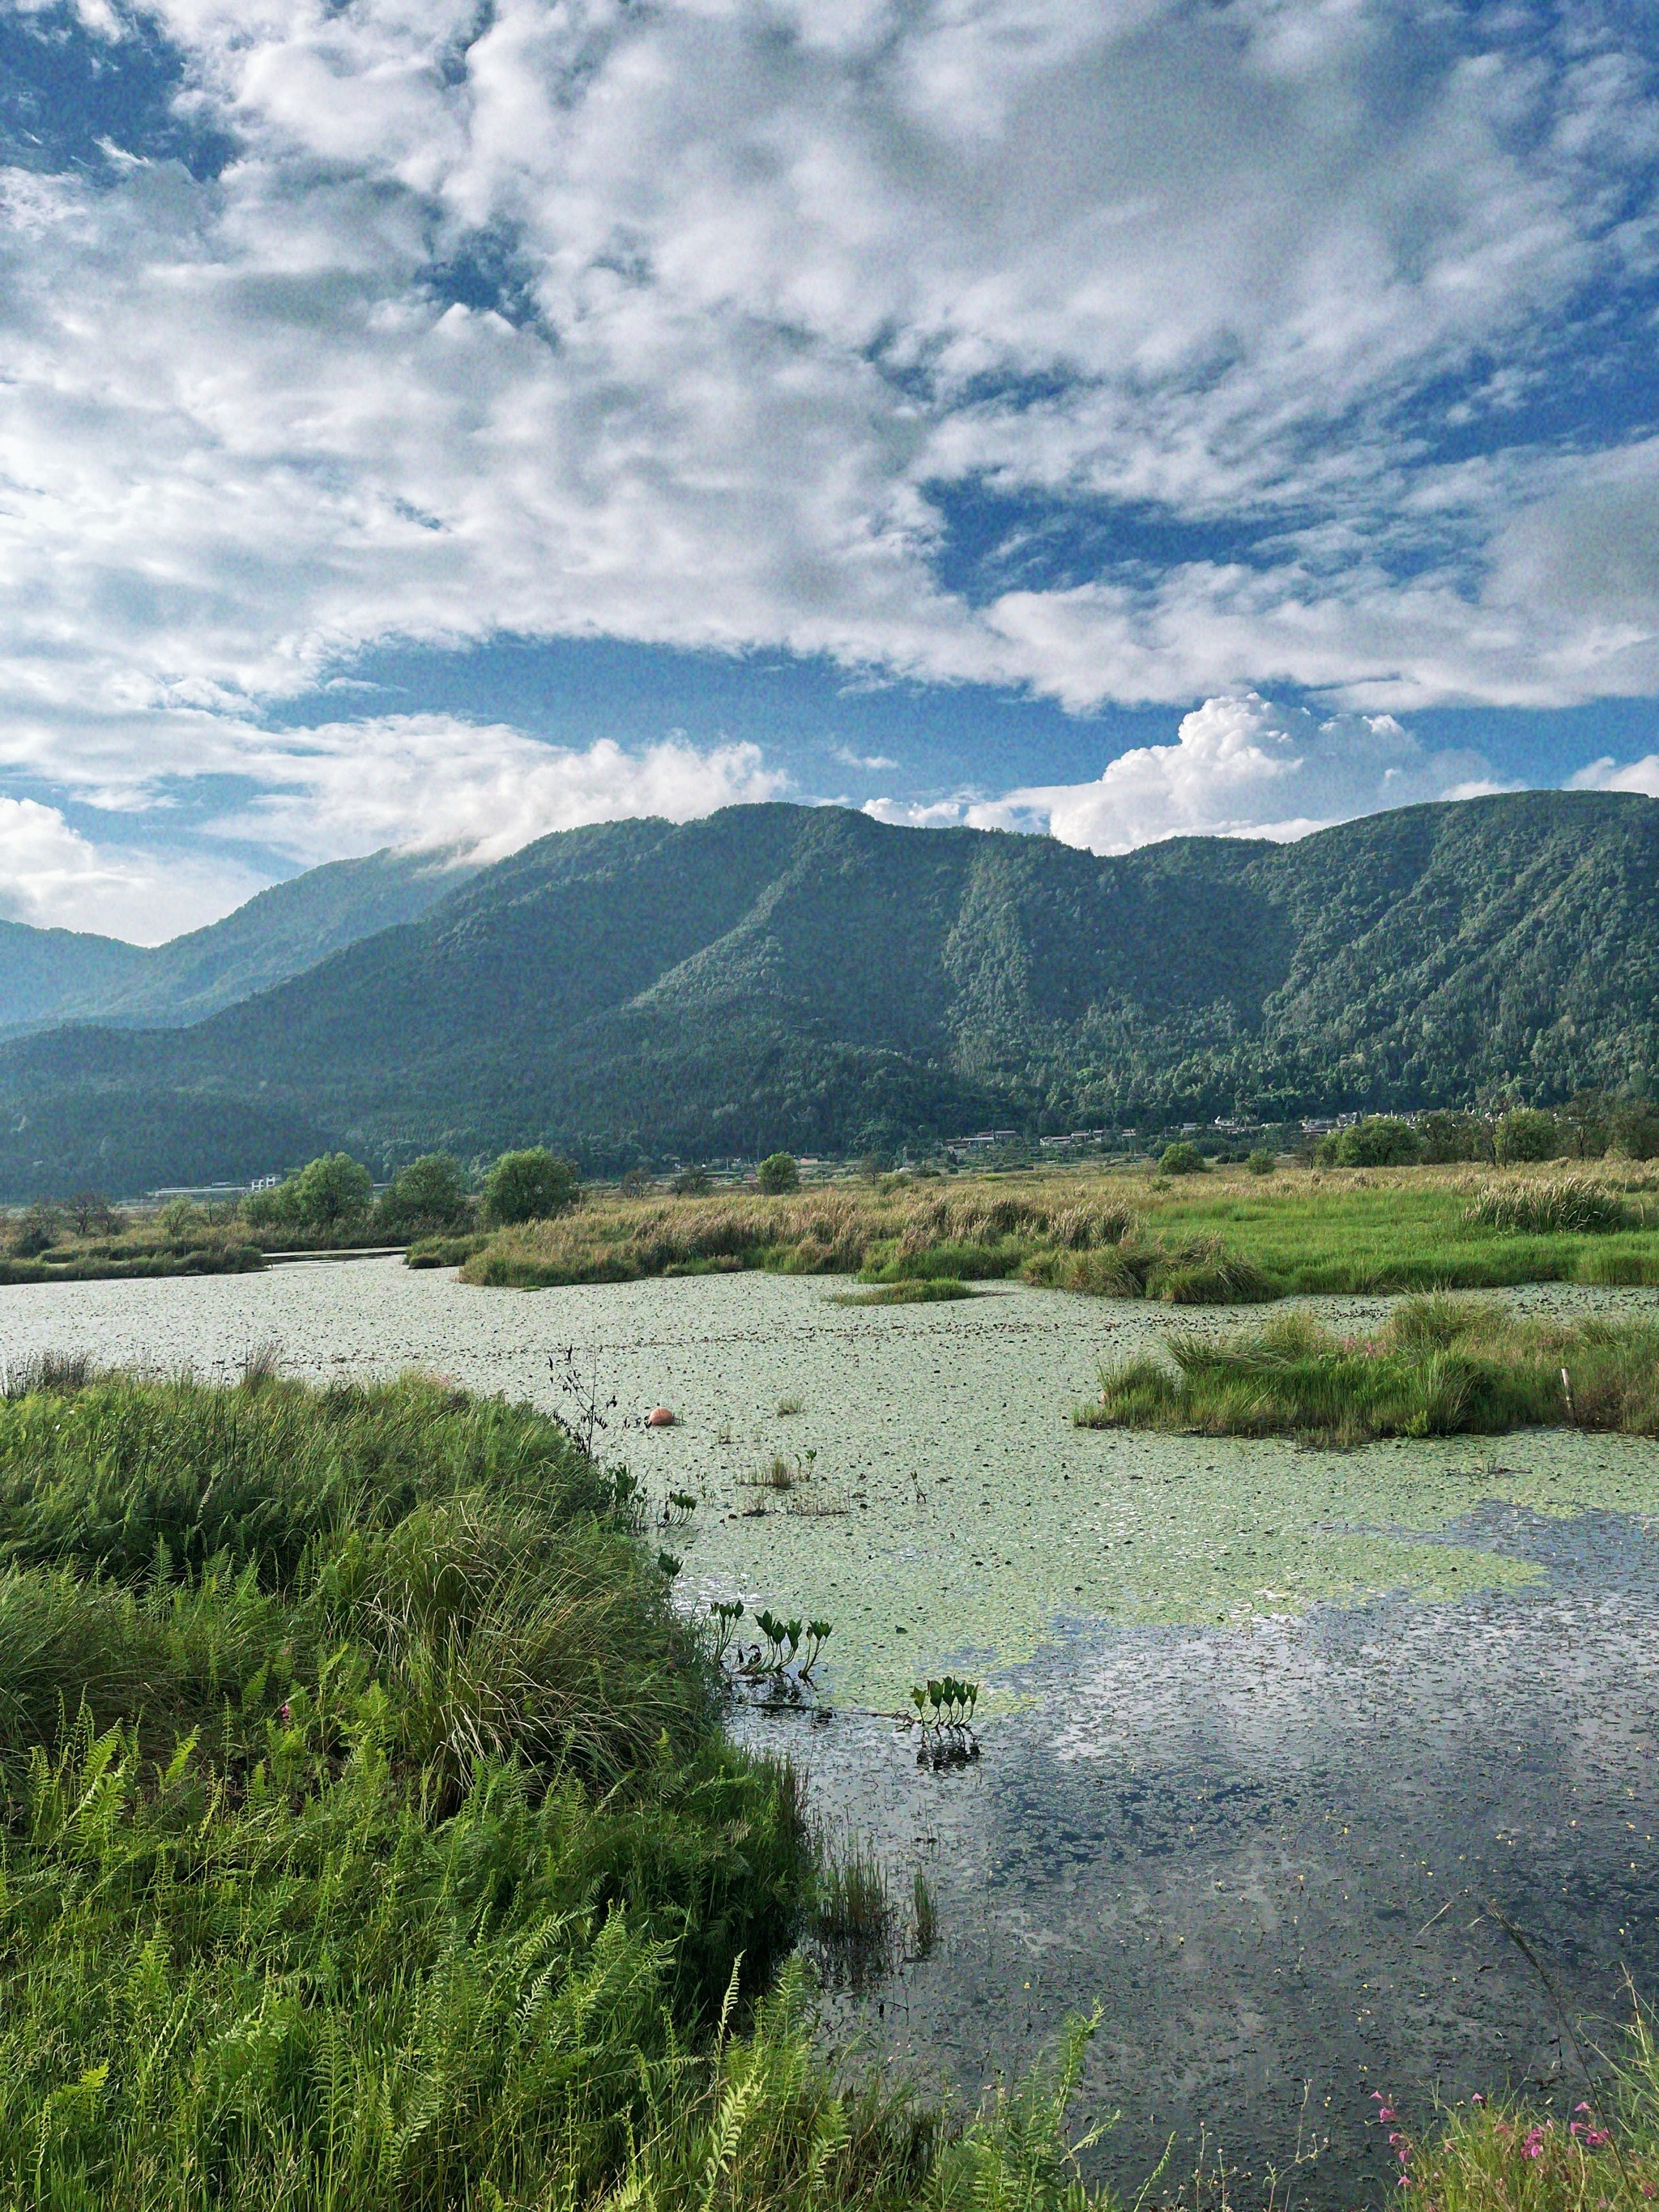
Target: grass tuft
1438	1366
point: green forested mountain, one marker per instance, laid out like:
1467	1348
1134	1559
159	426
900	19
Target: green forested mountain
59	975
806	977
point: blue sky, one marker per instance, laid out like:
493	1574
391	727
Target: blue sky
441	421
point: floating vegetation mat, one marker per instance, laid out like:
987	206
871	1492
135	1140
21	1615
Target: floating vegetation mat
941	1510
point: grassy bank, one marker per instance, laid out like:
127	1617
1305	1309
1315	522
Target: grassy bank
1501	2155
1438	1366
1227	1238
139	1253
370	1839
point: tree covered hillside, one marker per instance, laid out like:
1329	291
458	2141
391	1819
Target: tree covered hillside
806	976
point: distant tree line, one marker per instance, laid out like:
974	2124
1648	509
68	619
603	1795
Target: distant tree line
1591	1125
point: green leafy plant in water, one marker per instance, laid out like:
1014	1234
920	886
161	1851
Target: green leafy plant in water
677	1508
670	1566
724	1617
945	1711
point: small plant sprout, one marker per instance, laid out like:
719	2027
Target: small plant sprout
816	1632
788	1406
926	1915
629	1498
576	1371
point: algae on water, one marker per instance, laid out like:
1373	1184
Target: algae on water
951	1515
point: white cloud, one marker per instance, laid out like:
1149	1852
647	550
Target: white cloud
778	271
1240	766
54	878
1607	775
429	781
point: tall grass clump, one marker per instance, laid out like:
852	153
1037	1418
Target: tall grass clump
1438	1366
370	1838
1570	1205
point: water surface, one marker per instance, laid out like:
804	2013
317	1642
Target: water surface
1269	1727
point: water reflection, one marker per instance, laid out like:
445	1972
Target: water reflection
1268	1855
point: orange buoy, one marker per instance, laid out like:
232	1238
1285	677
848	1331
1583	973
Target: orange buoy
659	1418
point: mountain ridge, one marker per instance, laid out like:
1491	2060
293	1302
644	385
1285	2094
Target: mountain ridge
780	975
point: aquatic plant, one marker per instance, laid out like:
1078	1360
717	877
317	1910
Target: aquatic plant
924	1915
944	1715
853	1918
576	1372
723	1616
668	1564
788	1407
677	1508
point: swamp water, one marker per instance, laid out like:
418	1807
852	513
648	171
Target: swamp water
1268	1729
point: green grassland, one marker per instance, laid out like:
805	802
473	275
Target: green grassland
371	1840
1225	1238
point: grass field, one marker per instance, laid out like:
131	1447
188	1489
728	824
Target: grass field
371	1841
1438	1366
1227	1238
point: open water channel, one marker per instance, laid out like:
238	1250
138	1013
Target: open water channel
1270	1733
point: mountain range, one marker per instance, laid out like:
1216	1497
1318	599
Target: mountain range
808	977
53	976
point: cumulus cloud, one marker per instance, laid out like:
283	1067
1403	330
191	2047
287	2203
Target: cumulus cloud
53	877
1240	766
680	324
1607	775
427	780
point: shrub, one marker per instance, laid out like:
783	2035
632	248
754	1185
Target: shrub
1181	1160
426	1198
36	1232
1447	1136
693	1182
1526	1133
533	1185
1381	1140
1262	1162
777	1173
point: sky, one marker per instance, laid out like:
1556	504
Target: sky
438	422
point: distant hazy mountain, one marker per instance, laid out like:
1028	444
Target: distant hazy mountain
57	975
808	977
43	972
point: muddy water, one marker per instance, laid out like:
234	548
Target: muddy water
1270	1729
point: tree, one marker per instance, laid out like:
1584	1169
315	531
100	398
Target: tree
693	1182
635	1182
1526	1132
1381	1140
1633	1128
90	1211
330	1190
1262	1162
777	1173
533	1185
427	1196
1181	1160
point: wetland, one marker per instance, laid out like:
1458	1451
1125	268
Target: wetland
1267	1729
